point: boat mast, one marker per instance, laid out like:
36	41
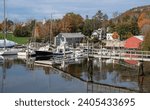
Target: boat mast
4	26
51	26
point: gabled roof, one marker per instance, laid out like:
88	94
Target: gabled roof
140	37
133	42
72	35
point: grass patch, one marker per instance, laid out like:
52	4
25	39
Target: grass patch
19	40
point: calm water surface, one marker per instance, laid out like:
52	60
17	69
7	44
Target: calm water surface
17	75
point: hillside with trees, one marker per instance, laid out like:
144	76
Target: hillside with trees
135	21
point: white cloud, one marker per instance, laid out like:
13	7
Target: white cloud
39	9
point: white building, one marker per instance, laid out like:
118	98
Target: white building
109	36
113	41
100	33
69	38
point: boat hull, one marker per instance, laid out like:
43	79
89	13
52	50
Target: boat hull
43	53
9	52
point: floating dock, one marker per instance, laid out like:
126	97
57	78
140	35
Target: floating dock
44	62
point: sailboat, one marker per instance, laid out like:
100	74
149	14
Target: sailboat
7	51
45	52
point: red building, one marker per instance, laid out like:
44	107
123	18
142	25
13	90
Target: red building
134	42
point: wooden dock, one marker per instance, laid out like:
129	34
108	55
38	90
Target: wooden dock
44	62
121	54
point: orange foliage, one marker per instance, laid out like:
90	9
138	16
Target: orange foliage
115	35
1	27
37	31
143	20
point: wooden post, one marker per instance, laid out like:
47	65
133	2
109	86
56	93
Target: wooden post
141	69
88	48
90	70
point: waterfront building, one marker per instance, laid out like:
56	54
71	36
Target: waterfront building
113	41
69	38
100	34
114	44
109	36
134	42
112	36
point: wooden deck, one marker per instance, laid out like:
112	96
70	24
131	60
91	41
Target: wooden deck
121	54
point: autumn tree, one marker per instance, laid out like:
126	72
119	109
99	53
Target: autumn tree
9	25
144	25
115	35
24	30
146	43
1	27
72	22
126	27
21	31
144	22
57	27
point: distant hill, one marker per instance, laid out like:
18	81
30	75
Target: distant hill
133	13
135	21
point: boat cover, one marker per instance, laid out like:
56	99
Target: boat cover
8	43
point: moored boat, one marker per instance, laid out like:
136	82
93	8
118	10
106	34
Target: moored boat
1	59
9	51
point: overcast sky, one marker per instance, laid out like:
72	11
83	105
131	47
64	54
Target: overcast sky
40	9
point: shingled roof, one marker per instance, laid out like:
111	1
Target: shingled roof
72	35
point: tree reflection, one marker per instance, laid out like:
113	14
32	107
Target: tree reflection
47	70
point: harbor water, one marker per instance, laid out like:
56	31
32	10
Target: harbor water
77	76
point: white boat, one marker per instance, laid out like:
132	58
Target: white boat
78	53
26	53
44	51
9	51
7	43
63	50
1	59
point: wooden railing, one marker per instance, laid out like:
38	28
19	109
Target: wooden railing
119	54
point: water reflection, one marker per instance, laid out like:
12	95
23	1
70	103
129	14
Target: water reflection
84	75
108	73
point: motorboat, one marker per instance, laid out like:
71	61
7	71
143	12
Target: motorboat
43	51
78	53
62	50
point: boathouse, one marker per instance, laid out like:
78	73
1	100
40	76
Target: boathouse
69	38
134	42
